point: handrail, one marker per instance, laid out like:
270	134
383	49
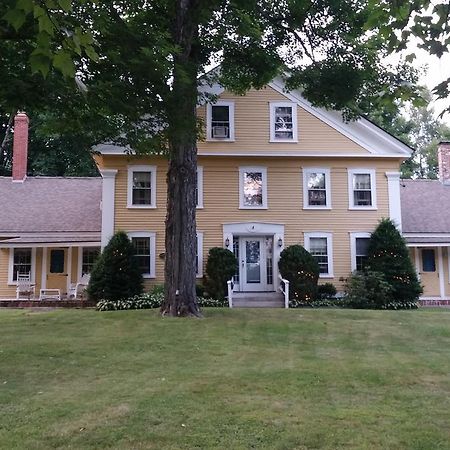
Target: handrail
230	293
284	291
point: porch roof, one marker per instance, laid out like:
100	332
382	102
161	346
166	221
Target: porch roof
50	240
424	240
50	204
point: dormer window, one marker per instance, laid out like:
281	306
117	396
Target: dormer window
220	121
283	122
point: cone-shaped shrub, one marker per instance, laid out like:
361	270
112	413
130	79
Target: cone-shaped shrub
116	274
388	254
300	268
220	267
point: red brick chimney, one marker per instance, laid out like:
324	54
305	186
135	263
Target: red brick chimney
444	162
20	147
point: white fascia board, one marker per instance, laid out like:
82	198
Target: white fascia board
112	149
293	154
364	133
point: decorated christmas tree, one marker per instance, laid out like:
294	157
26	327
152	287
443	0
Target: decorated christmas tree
116	274
388	254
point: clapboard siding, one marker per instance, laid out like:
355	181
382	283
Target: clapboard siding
252	128
285	202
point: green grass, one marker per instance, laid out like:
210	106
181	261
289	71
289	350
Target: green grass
238	379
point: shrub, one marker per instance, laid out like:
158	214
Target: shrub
220	267
326	291
300	268
116	274
151	300
368	289
388	253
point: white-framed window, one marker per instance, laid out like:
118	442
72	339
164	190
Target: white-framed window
220	121
22	260
141	186
86	259
199	188
283	122
199	255
144	243
320	245
359	242
316	188
362	191
253	187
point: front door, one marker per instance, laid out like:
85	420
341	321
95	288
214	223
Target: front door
253	264
429	274
57	269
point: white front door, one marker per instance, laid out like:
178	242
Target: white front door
253	264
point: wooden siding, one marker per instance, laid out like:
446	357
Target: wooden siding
285	202
252	129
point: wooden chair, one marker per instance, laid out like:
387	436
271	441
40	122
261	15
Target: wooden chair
78	288
24	286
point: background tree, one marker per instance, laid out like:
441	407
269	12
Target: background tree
387	253
116	274
143	89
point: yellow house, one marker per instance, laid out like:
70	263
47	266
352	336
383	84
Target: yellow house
273	170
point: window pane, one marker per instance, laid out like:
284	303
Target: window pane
283	122
316	180
269	259
361	181
361	245
428	260
236	253
89	257
362	198
220	113
317	198
318	249
142	182
142	253
253	189
220	122
22	262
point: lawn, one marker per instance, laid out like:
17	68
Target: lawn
238	379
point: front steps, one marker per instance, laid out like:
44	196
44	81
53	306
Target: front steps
258	300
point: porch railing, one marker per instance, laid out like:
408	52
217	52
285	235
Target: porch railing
230	293
284	288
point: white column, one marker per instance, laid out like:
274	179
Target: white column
44	268
441	273
108	195
69	269
395	210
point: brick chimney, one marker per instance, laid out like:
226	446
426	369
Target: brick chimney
20	147
444	162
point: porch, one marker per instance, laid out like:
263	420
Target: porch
50	303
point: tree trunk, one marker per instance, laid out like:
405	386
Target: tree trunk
180	259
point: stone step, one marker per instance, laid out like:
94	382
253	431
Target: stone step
258	300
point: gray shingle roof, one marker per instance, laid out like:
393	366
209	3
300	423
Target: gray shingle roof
50	204
425	206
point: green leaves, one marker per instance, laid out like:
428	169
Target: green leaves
15	17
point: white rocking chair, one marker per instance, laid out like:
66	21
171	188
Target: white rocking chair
76	289
24	286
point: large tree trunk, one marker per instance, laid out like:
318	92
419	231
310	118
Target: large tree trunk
180	267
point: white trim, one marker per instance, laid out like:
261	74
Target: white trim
263	171
329	238
141	168
353	236
373	188
44	268
209	106
290	154
372	138
441	273
430	235
69	268
200	253
11	266
306	172
427	244
448	262
395	208
417	262
108	196
199	187
293	106
48	244
152	236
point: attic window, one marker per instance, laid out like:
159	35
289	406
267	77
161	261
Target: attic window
220	121
283	122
